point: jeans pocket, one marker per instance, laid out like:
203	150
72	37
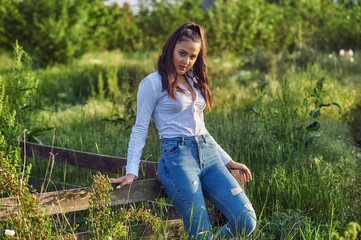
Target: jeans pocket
169	148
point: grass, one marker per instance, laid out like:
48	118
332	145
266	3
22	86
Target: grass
300	190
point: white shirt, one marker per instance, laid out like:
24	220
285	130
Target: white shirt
180	118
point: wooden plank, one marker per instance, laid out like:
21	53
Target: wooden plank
139	191
36	183
78	199
142	231
173	228
238	175
97	162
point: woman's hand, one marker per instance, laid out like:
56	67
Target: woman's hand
122	181
246	172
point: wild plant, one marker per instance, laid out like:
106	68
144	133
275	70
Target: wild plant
109	224
119	92
21	89
353	229
101	218
287	123
7	125
28	220
100	93
318	97
281	121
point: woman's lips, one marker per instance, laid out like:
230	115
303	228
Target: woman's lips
182	68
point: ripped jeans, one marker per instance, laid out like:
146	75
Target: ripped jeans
190	167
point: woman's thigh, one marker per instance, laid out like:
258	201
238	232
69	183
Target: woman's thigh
179	174
222	189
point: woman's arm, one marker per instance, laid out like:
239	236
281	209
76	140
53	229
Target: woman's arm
146	101
246	172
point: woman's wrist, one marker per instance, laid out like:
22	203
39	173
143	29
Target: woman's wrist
230	164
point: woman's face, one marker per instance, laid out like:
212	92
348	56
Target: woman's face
185	55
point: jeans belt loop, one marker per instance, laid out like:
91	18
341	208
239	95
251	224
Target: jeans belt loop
182	142
204	138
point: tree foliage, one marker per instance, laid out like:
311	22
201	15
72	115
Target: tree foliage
58	31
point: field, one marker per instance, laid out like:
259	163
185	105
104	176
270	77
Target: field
306	182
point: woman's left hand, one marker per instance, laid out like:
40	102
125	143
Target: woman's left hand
246	172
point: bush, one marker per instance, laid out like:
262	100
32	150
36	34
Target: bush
240	26
51	31
7	122
21	88
158	19
117	28
61	30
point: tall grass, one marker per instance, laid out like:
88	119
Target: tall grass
301	189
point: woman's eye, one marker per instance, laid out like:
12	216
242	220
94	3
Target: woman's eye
182	54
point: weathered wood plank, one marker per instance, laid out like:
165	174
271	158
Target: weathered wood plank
139	191
78	199
141	231
38	183
97	162
238	175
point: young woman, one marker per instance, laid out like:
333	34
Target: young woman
192	165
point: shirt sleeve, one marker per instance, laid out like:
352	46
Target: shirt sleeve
224	156
146	101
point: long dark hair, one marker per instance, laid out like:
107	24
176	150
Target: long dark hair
188	31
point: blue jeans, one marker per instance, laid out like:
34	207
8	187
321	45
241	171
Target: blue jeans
190	167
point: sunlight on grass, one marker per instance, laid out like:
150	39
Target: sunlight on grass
300	187
147	61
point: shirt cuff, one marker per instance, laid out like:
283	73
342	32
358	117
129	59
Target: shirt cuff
225	157
132	169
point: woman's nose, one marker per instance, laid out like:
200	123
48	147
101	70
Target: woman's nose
186	60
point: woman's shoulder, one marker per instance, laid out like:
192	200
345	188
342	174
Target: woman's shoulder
152	81
153	78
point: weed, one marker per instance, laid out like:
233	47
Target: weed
28	221
101	218
106	222
351	232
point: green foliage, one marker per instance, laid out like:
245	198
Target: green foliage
117	28
321	179
336	16
158	19
285	123
50	31
7	121
282	122
58	32
9	127
98	92
121	95
289	224
240	26
101	218
351	232
113	224
28	221
21	86
318	96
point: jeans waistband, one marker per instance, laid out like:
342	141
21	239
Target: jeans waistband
188	139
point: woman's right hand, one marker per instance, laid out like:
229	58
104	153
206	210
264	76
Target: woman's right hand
122	181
